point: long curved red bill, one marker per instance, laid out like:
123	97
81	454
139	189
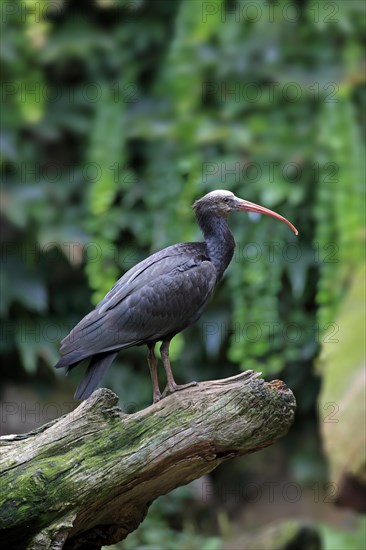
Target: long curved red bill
246	206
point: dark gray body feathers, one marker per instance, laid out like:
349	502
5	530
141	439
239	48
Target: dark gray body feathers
157	298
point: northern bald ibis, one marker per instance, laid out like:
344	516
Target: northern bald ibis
158	297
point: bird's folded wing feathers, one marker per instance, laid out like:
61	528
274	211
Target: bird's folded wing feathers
154	266
149	301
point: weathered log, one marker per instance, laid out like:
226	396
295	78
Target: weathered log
87	479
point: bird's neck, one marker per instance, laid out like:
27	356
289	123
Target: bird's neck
219	240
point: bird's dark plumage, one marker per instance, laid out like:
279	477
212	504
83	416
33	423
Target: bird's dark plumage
97	368
156	299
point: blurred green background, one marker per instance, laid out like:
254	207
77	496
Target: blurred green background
116	116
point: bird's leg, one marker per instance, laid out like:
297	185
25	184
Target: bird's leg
171	386
153	362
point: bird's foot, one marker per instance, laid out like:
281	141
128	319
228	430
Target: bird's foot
157	397
177	387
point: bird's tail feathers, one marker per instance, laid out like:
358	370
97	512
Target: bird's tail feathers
70	360
97	368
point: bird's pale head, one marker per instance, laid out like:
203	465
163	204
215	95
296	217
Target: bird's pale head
218	203
221	203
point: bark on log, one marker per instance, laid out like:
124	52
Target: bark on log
87	479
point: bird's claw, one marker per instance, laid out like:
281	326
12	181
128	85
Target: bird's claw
157	397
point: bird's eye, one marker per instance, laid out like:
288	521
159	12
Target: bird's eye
226	199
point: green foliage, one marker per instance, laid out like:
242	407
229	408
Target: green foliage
343	390
137	110
119	114
156	533
336	539
340	206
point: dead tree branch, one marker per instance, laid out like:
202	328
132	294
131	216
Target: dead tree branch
87	479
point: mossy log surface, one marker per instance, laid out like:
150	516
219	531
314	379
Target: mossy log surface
87	479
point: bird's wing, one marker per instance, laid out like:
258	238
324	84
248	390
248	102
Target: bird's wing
159	296
155	265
